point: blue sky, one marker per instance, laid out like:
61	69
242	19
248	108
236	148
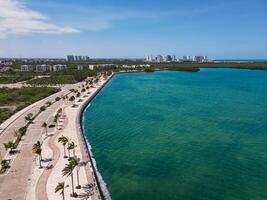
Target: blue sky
109	28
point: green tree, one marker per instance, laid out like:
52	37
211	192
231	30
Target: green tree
37	149
10	146
68	171
44	125
42	108
61	188
72	99
4	165
63	140
29	118
76	163
72	146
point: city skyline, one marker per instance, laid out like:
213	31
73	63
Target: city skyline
119	29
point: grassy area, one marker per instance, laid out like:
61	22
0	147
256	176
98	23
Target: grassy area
14	78
194	66
21	98
67	77
5	114
54	79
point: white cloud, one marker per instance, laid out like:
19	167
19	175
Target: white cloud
16	18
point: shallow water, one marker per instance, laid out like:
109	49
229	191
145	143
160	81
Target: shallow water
179	135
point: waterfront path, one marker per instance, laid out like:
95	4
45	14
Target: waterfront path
24	180
13	185
73	132
19	174
41	184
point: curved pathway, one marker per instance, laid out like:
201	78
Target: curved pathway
42	182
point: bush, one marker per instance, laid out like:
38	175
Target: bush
42	108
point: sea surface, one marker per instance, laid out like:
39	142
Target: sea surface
242	60
181	135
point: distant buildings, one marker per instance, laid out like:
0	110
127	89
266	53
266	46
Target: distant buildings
59	67
172	58
102	66
80	67
49	68
149	58
26	68
135	66
159	59
72	58
43	68
167	58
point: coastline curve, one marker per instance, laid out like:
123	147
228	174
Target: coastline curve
103	191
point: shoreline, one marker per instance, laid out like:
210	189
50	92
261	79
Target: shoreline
104	193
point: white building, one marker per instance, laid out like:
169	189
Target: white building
102	66
159	58
80	67
59	67
149	58
147	65
26	68
43	68
186	58
200	59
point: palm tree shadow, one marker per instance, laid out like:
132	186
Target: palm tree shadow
88	191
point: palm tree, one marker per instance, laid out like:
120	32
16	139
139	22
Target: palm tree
72	146
69	148
76	162
63	141
28	117
61	188
10	145
72	99
37	149
44	125
48	103
59	110
68	171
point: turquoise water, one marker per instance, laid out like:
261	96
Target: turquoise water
179	135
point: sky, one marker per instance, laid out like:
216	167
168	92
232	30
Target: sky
220	29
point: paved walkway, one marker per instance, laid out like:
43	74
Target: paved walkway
41	185
19	175
14	185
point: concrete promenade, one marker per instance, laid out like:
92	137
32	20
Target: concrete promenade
24	180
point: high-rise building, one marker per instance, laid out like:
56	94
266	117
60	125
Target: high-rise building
173	58
167	58
70	58
199	59
187	58
159	58
149	58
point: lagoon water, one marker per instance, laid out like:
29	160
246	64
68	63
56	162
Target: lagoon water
181	135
